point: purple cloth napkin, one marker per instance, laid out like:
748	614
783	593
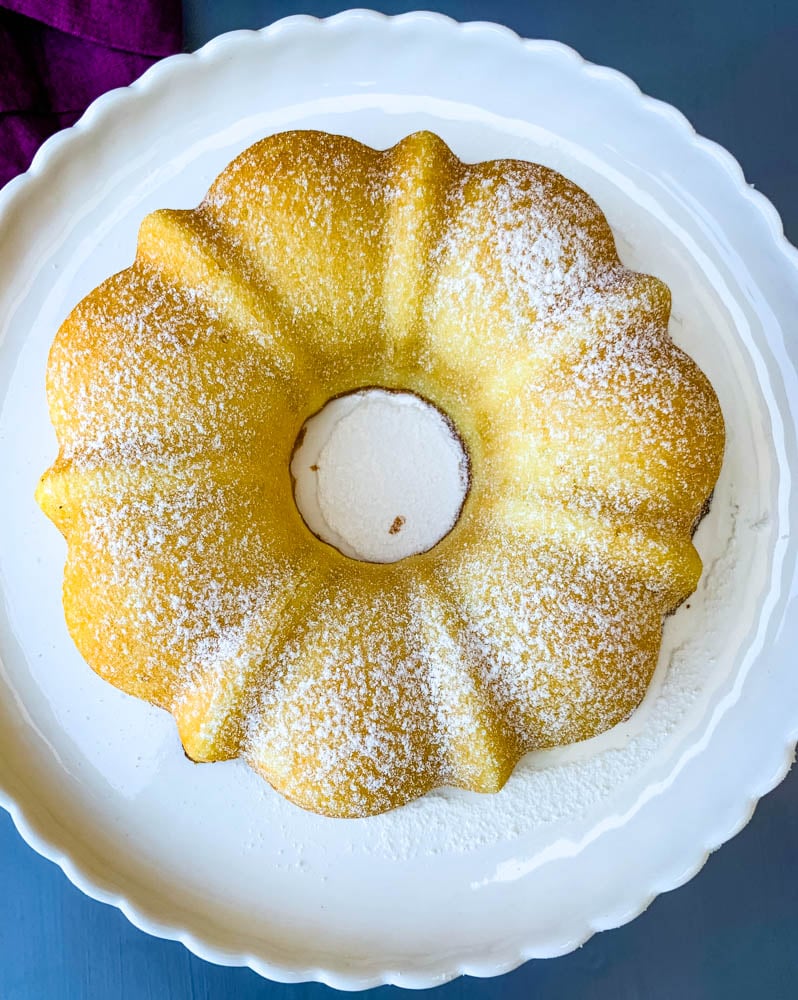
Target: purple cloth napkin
56	56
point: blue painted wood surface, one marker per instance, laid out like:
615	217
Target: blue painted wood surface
732	67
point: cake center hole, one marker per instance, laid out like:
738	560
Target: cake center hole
379	474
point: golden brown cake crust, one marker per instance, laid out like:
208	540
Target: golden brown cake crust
314	266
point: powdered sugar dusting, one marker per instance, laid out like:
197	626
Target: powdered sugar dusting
314	267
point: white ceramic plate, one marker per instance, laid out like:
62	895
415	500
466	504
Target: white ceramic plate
579	840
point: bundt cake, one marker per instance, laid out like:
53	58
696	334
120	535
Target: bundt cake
316	266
